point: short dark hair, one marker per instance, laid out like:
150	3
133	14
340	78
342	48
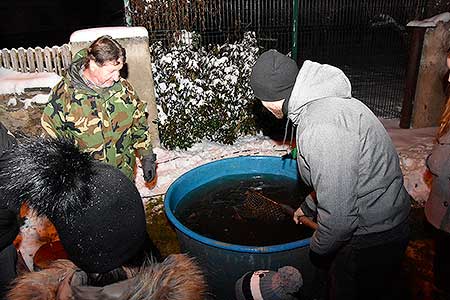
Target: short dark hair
105	49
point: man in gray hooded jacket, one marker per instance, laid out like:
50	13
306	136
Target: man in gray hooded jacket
347	157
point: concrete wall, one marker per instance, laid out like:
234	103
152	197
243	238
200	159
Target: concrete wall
138	64
430	98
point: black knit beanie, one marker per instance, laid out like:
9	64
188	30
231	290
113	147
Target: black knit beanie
273	76
96	209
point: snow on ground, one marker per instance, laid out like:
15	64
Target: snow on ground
12	82
15	83
413	146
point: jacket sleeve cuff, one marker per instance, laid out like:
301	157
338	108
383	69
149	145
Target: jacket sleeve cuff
144	152
309	207
324	247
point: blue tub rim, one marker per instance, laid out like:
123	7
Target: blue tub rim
218	244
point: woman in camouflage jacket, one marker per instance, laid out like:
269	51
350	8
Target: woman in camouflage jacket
100	110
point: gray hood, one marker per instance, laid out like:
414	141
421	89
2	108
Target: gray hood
316	81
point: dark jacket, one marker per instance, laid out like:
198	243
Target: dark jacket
436	207
9	227
7	141
346	155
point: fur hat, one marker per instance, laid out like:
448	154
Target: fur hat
96	209
269	285
273	76
178	277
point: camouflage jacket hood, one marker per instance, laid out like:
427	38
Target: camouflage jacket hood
177	278
110	124
74	74
75	79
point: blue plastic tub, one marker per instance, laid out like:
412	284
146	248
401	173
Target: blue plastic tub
224	263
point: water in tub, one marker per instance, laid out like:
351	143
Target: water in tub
212	210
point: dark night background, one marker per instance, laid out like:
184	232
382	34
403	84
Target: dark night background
32	23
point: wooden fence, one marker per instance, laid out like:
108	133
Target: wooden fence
55	59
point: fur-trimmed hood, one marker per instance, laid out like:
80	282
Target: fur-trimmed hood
178	277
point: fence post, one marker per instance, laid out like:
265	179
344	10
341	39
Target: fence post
22	59
430	99
48	59
128	19
66	56
30	60
14	59
412	71
6	58
295	31
39	59
57	60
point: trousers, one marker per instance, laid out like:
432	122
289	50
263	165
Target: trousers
368	267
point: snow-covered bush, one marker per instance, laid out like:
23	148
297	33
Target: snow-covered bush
204	92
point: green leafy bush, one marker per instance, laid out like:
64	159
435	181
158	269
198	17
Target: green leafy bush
204	92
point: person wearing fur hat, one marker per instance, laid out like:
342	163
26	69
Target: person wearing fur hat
98	214
9	226
347	157
178	277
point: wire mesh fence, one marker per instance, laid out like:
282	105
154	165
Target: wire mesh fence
367	39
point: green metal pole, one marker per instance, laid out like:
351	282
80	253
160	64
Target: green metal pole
294	51
126	4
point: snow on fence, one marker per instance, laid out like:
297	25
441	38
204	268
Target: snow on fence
56	59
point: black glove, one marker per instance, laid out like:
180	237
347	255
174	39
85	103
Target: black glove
149	167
